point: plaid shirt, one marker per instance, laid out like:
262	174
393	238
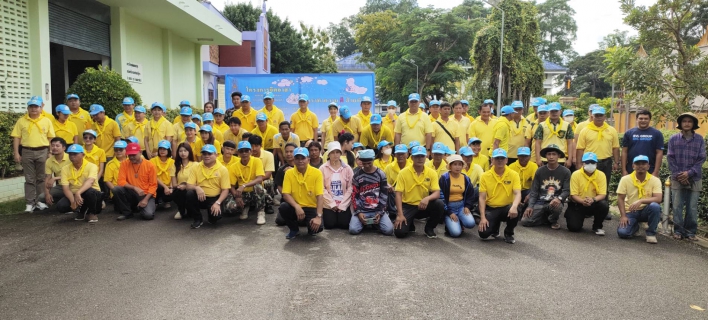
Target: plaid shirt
686	155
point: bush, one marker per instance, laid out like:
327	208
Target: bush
7	158
173	113
105	87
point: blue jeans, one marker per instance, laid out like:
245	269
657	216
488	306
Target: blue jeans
650	214
385	225
685	198
467	220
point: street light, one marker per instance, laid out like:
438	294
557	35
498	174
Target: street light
495	4
416	73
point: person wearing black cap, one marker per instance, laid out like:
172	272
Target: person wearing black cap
549	191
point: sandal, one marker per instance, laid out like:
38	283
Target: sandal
555	226
692	238
677	237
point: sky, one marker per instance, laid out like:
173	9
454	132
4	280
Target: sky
594	18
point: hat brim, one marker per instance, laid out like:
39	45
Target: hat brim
680	118
560	152
130	153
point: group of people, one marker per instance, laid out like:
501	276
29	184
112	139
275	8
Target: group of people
361	170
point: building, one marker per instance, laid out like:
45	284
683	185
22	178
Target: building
351	64
155	44
550	72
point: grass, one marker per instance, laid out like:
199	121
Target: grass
12	207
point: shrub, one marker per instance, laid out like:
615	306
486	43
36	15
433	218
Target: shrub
7	158
105	87
173	113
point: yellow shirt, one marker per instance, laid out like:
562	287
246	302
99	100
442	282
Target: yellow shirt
439	135
137	129
279	142
267	136
304	188
457	188
233	160
371	140
110	173
354	126
502	132
178	129
123	118
579	128
529	135
483	131
382	164
248	121
76	178
183	174
440	170
304	124
275	116
95	156
211	180
165	170
415	187
432	118
326	130
471	118
474	173
197	152
462	125
53	167
82	120
581	186
626	187
107	134
364	118
200	143
240	174
389	123
560	139
526	174
482	161
230	136
33	133
222	128
589	142
531	117
66	131
268	161
392	170
517	137
499	189
160	130
413	127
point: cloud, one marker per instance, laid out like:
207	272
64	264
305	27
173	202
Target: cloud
353	88
306	79
322	82
293	98
285	83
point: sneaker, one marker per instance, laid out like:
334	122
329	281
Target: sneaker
261	218
244	214
430	233
92	218
490	238
103	204
79	216
41	206
197	224
292	234
509	239
555	226
178	216
495	235
123	217
599	232
608	217
269	209
651	239
29	208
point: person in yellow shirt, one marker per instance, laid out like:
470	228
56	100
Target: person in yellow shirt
569	117
275	115
268	168
182	105
601	139
107	129
434	111
246	114
227	158
246	178
638	198
304	122
517	131
476	145
438	164
417	196
466	109
526	170
462	120
160	129
190	130
165	167
128	114
391	117
326	127
542	112
209	120
365	113
303	196
282	138
401	161
502	129
235	132
219	123
413	125
78	116
185	116
375	132
208	186
588	196
183	165
384	156
63	128
52	190
555	131
346	124
197	119
110	177
445	129
79	181
499	199
206	136
139	128
471	169
483	128
266	131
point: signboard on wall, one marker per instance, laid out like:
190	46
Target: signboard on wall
134	72
342	88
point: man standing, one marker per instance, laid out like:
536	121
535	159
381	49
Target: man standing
304	122
642	139
78	116
219	123
375	132
370	197
499	198
208	186
185	115
461	119
53	191
542	112
526	170
139	128
63	128
107	129
160	129
466	110
303	196
268	170
266	131
502	129
79	181
413	125
638	198
601	139
127	116
246	178
555	131
33	132
483	128
235	101
346	123
275	115
446	130
137	185
549	191
246	114
588	196
517	134
364	114
326	128
687	152
434	110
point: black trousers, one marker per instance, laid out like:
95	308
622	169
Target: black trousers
194	206
434	212
161	197
287	212
92	203
605	165
126	201
495	216
180	198
576	214
336	220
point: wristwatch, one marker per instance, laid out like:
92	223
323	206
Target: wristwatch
217	202
319	215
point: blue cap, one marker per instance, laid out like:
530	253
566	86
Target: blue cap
598	110
434	102
366	99
246	98
465	102
164	144
158	105
473	140
413	97
184	103
196	116
419	151
332	104
536	102
391	103
554	106
209	148
506	110
96	109
593	106
345	113
517	104
439	147
64	109
219	111
206	128
401	148
640	158
185	111
367	154
244	145
35	101
120	144
128	100
383	143
72	96
422	105
261	117
133	139
543	100
268	95
140	109
523	151
466	151
568	112
413	144
542	108
303	97
208	116
357	145
91	132
75	148
375	119
499	153
301	152
190	125
589	156
489	101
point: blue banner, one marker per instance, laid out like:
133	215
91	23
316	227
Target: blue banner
342	88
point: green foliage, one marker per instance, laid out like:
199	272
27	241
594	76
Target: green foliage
342	36
618	39
105	87
588	73
318	40
173	113
12	207
558	28
7	159
399	6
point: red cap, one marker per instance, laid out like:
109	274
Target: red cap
133	148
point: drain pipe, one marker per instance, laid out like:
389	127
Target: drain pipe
667	201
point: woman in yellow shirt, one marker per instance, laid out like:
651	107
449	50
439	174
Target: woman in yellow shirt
384	158
190	137
459	196
207	137
183	164
164	165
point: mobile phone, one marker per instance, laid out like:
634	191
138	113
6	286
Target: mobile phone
369	221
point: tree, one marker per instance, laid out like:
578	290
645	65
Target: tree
522	68
322	53
106	87
342	37
618	39
558	28
588	72
398	6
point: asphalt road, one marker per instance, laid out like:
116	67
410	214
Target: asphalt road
54	267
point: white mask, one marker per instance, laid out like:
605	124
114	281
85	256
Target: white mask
387	151
391	112
569	118
590	167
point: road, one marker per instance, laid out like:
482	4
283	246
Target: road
54	267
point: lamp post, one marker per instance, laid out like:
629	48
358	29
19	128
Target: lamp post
416	74
495	4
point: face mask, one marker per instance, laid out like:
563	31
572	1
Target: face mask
590	167
387	151
569	118
391	111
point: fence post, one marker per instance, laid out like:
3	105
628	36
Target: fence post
667	206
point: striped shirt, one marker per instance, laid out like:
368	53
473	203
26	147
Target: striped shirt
686	155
